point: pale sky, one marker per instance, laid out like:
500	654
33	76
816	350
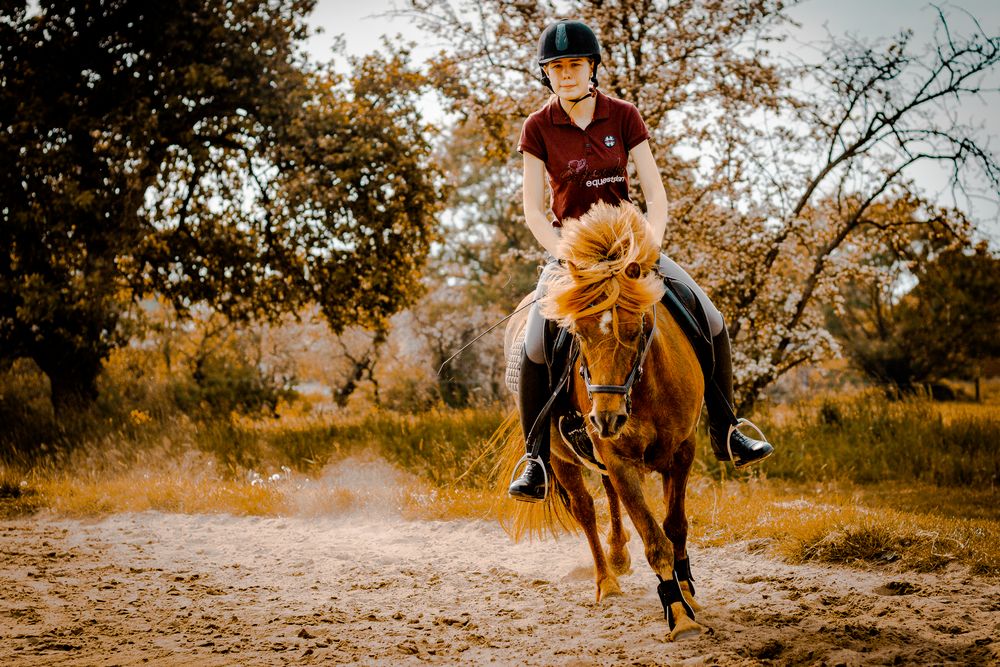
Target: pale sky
362	27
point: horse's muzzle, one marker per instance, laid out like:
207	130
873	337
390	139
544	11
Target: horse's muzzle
608	423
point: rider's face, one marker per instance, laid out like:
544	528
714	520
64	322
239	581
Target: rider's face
570	77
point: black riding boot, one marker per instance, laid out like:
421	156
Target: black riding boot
533	393
745	450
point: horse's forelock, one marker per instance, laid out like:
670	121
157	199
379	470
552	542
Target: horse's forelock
597	248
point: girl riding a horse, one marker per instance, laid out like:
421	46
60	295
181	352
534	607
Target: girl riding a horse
582	140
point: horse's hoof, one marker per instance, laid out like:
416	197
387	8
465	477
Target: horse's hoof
685	627
608	588
688	597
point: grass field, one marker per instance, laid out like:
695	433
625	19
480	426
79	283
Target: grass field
854	480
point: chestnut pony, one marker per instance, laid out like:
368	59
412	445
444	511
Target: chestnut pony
606	292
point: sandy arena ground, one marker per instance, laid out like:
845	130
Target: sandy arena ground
368	587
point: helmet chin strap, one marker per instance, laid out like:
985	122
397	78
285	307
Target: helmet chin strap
590	93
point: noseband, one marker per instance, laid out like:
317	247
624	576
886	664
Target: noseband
636	372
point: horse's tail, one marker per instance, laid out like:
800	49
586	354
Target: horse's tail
520	518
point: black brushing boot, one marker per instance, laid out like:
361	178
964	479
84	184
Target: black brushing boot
740	449
532	394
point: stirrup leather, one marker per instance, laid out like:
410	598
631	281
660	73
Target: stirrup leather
526	459
736	427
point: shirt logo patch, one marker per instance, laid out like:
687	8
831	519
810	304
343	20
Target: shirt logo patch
609	141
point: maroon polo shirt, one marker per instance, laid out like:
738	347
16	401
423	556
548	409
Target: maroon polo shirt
584	166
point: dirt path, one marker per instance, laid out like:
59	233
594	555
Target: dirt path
368	587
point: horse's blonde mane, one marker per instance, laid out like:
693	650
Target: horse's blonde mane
597	247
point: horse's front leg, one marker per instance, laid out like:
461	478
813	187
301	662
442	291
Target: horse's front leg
627	480
581	505
621	561
675	524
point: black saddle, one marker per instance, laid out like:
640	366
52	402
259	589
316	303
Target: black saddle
687	311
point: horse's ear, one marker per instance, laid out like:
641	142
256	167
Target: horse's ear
632	270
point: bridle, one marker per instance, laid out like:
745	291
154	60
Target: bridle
532	455
633	376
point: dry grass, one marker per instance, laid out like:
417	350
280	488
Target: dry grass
139	492
868	440
841	523
446	504
902	485
955	412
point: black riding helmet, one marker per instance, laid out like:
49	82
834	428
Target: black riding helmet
568	39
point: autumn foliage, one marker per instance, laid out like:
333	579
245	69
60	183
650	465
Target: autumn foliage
779	169
190	157
190	151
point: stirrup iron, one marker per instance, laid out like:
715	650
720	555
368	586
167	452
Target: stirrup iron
736	427
526	459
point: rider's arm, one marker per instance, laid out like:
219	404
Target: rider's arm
652	189
534	204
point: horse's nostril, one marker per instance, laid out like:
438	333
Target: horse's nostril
620	422
607	423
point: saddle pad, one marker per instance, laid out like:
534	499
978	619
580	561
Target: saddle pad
514	360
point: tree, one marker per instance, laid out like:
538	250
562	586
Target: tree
876	112
446	320
488	254
224	367
188	149
775	169
929	314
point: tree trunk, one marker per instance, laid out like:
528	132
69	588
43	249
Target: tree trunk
72	380
361	367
